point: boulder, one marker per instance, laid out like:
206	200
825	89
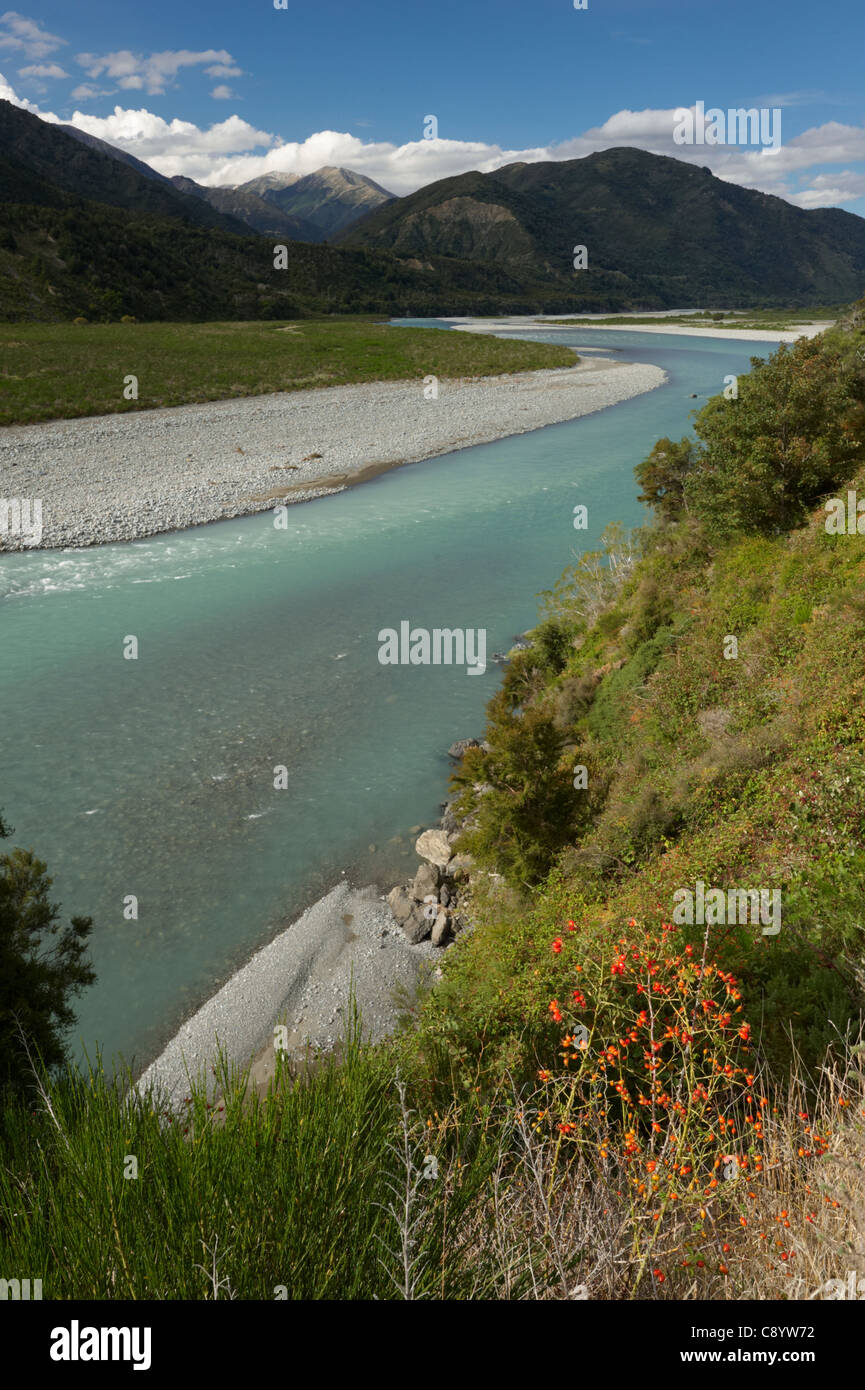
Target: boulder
433	846
460	865
417	927
457	750
426	881
400	904
449	821
445	895
441	929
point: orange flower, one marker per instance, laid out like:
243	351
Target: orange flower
557	945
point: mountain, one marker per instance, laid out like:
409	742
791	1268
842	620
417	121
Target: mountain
113	152
86	233
269	183
40	163
659	233
254	212
331	199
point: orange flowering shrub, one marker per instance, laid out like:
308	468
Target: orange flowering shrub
655	1075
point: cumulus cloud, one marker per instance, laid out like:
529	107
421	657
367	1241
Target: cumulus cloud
42	70
87	92
232	151
828	190
224	70
26	36
154	73
222	93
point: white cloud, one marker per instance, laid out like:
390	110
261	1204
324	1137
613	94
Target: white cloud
26	36
42	70
7	93
232	151
154	73
222	93
86	92
828	190
224	70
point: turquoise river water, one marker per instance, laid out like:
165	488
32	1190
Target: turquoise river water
259	647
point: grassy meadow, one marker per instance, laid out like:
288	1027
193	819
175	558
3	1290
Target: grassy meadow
63	370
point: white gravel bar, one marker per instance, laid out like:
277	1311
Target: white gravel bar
552	325
347	942
118	477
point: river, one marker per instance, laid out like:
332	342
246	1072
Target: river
154	778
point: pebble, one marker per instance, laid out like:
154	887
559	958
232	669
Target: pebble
119	477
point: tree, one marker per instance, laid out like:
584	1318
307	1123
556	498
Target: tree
662	477
37	974
525	815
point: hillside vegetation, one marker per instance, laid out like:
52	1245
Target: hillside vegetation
658	233
600	1099
93	233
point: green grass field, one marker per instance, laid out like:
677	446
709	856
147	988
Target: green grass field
57	371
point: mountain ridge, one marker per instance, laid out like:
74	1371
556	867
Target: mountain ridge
673	231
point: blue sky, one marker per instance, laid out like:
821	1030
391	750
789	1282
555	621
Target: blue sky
222	92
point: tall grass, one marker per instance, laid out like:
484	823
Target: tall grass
334	1187
248	1197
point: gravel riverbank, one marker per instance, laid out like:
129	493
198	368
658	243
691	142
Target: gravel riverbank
302	980
119	477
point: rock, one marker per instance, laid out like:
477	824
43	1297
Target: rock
460	865
417	927
458	750
445	895
400	904
415	829
441	929
433	845
426	881
450	821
